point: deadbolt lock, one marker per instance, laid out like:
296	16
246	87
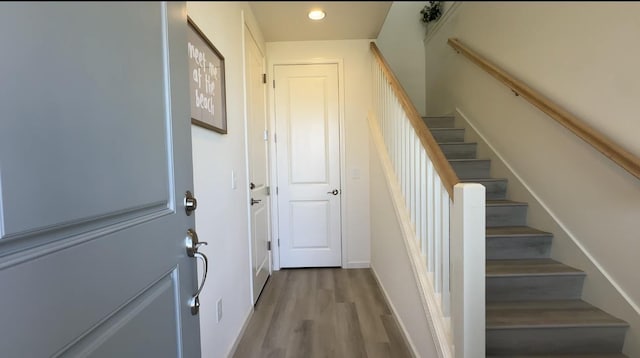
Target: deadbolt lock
190	203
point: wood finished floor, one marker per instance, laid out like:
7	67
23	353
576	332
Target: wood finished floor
323	312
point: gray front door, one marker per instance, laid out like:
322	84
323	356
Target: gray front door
95	158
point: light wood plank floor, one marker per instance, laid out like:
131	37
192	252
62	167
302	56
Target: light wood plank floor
323	312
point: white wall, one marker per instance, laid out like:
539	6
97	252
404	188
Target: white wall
356	60
400	41
221	217
580	56
392	266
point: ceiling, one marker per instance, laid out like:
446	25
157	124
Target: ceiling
288	21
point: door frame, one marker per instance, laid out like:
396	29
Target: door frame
246	33
275	249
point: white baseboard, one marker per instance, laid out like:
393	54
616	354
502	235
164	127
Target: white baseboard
236	342
358	265
397	319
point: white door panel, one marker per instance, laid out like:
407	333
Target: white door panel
258	164
309	224
307	120
95	158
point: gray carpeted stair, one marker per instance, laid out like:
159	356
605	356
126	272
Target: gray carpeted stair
496	189
517	242
552	327
448	135
471	168
459	150
532	279
533	302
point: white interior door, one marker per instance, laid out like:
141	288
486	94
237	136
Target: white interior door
308	150
257	140
95	159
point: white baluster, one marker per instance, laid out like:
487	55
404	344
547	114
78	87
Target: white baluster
446	281
416	175
412	181
430	207
437	230
423	190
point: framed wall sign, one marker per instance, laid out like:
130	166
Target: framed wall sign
206	81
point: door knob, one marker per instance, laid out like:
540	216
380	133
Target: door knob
254	201
334	192
190	203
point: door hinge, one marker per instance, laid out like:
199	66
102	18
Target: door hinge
267	190
266	135
278	242
264	78
274	83
276	190
275	138
268	245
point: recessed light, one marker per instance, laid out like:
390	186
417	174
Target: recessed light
316	14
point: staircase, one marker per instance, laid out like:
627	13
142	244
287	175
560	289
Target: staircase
533	302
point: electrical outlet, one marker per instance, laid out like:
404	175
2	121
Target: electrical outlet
219	310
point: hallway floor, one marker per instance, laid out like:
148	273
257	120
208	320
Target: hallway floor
323	312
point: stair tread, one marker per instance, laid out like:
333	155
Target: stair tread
509	231
528	267
505	202
548	314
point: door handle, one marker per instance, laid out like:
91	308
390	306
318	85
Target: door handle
193	244
334	192
194	302
254	201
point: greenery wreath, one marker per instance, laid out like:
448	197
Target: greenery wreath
431	12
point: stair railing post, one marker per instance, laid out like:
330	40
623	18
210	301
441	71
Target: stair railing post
468	270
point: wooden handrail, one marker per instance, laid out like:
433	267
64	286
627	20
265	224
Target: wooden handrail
606	146
440	163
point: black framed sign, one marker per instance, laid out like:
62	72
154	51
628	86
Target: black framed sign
206	81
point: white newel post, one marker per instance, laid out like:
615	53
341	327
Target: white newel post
468	270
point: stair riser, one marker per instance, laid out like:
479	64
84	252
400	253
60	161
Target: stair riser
439	122
495	190
459	151
534	288
509	215
516	248
472	170
555	340
448	135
